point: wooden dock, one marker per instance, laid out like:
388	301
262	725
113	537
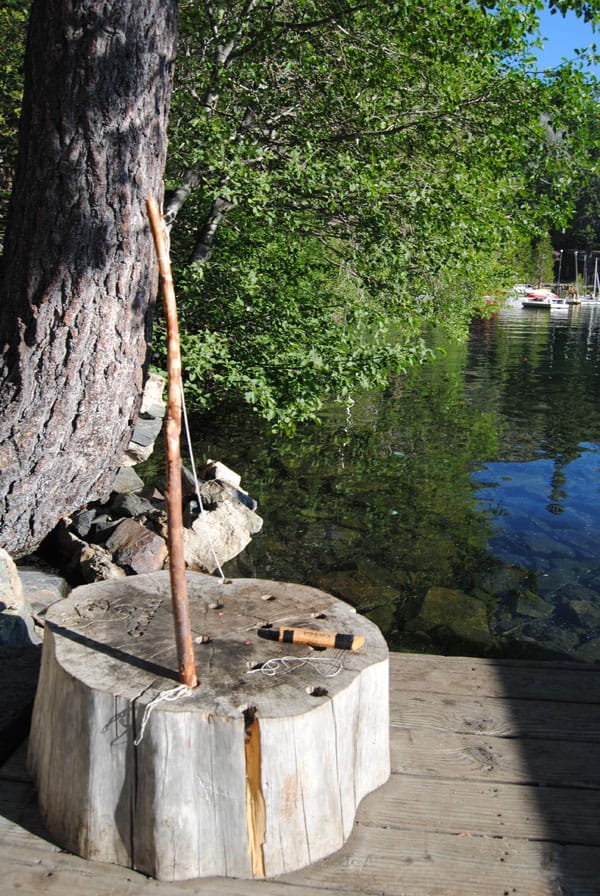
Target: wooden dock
494	791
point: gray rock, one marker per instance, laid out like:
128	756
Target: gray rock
126	481
81	560
214	469
146	431
130	505
219	535
104	523
149	423
153	394
96	564
16	622
42	589
215	492
11	588
82	522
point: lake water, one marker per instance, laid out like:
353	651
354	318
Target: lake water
458	508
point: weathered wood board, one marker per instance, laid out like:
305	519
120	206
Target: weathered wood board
411	837
248	775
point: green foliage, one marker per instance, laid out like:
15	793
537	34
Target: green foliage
283	357
364	200
13	21
536	261
347	174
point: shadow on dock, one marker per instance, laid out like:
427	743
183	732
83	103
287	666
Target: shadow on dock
494	792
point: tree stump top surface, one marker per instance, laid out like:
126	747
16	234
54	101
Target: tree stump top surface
117	636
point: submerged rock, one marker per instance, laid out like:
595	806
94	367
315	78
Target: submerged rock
454	616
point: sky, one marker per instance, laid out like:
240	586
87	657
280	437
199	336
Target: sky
563	35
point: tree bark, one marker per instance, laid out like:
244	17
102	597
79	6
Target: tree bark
206	237
79	273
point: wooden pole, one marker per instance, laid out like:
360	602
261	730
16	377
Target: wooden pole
179	595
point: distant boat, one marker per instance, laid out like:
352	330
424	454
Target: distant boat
540	304
542	298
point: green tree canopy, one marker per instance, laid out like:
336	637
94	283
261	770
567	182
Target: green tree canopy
341	172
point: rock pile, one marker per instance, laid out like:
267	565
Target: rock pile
128	534
125	536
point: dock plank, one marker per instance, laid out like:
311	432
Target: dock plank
497	717
373	861
494	791
475	808
435	864
506	679
499	759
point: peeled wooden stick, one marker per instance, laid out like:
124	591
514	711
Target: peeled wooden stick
179	595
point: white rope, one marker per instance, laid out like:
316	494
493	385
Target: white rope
328	667
196	483
189	439
177	693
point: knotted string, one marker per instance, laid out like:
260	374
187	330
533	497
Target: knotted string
177	693
326	666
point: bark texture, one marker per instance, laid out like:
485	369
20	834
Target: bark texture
79	273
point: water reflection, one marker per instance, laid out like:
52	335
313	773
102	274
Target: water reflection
458	507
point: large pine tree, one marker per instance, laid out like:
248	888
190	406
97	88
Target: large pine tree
79	275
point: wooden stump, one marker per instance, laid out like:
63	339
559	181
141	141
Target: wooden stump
251	774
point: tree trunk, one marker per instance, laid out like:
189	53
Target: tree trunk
256	772
79	279
206	238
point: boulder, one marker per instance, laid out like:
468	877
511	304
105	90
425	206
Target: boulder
16	621
42	587
215	490
127	480
136	549
218	535
214	469
455	616
11	588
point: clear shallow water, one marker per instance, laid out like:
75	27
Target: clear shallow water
459	507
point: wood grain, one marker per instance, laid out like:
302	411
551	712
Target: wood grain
467	811
132	771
